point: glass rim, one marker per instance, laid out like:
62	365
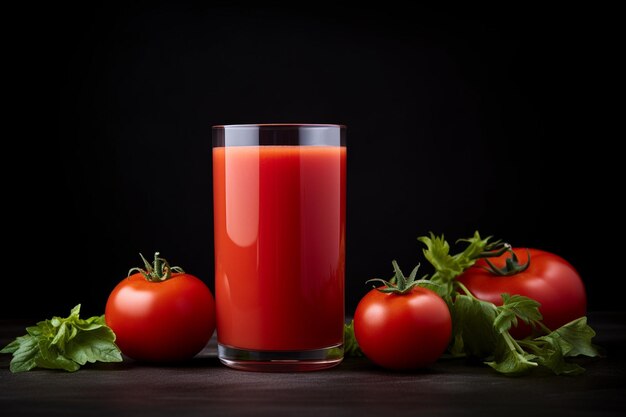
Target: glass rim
279	125
279	134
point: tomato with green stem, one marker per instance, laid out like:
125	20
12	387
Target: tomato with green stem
161	313
537	274
402	326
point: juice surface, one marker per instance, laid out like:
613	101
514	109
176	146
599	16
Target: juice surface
279	216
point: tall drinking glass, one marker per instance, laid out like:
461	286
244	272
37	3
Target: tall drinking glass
279	194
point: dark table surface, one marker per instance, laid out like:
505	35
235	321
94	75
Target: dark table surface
205	387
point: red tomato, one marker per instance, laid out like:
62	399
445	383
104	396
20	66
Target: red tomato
549	279
168	320
402	331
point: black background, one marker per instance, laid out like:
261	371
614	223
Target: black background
489	119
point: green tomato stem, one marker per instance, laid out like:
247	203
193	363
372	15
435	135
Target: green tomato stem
511	267
159	271
465	290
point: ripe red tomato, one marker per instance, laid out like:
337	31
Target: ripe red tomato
402	331
161	320
549	279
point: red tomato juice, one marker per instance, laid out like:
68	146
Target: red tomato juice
279	216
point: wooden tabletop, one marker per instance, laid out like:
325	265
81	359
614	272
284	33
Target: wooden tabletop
205	387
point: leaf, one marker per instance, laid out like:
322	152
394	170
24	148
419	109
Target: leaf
437	252
473	326
91	323
504	320
50	357
508	360
97	320
60	337
74	313
471	253
413	273
64	343
399	275
525	308
46	329
34	330
457	347
11	347
515	307
513	363
24	355
449	267
550	355
92	346
574	338
440	289
350	344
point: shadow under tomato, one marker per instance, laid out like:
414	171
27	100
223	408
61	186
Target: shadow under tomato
362	364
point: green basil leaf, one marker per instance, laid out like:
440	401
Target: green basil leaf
63	343
25	351
51	358
92	346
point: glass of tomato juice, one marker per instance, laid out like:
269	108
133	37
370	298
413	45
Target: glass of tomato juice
279	194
